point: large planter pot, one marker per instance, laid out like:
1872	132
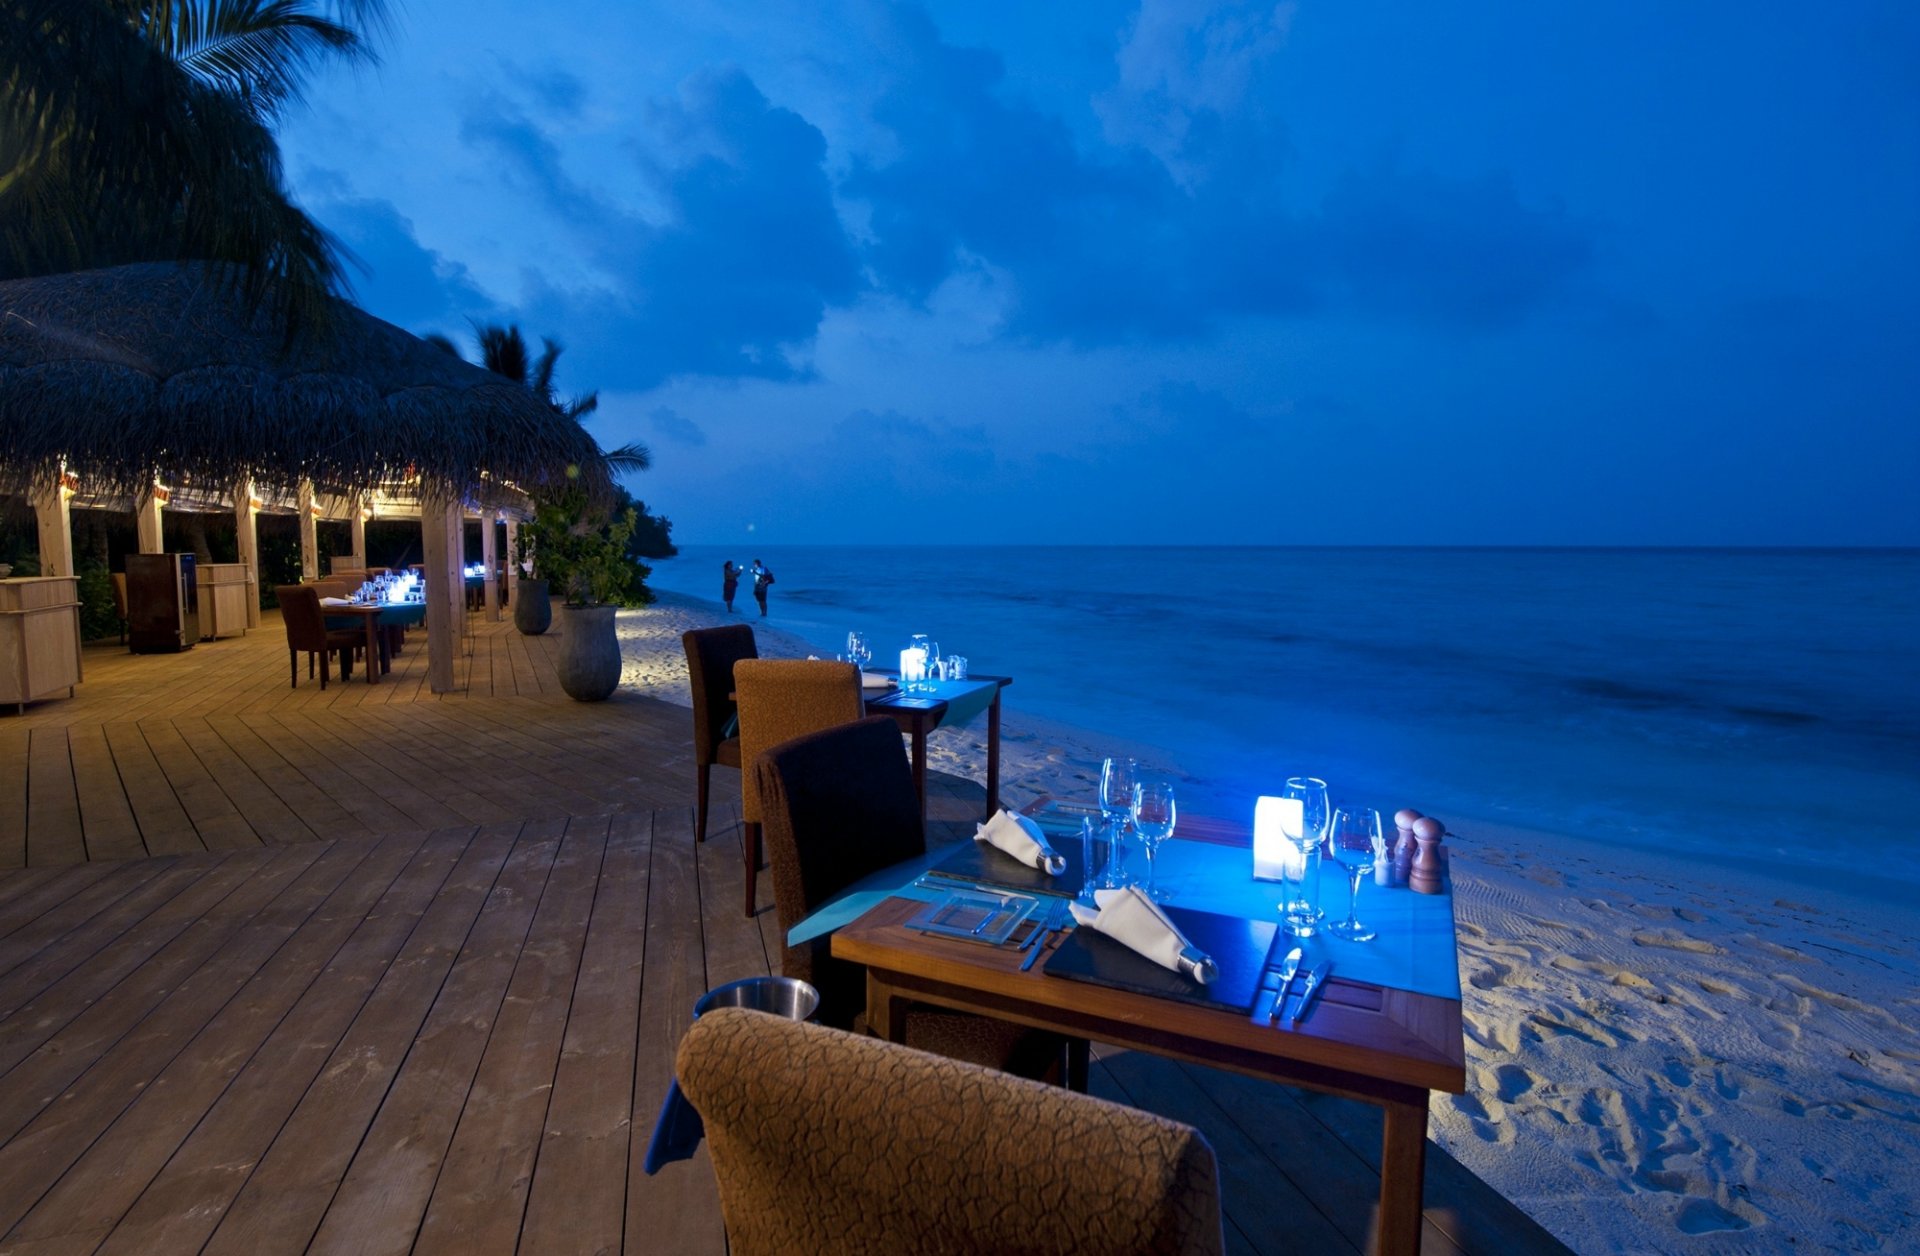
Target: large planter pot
589	662
532	607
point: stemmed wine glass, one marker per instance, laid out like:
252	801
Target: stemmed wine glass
1117	776
1355	841
1153	817
1305	825
859	652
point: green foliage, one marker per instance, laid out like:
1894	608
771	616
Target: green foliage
99	618
582	553
652	534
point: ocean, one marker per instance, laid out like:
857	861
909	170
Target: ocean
1754	707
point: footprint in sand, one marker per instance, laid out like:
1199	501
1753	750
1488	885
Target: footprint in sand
1674	940
1703	1216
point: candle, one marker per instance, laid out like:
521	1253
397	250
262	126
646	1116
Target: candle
1275	855
913	666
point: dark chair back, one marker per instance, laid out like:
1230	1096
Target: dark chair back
836	805
300	609
711	654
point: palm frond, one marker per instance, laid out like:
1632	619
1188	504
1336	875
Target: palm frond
630	457
259	51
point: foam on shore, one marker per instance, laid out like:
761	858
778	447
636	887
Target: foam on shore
1662	1056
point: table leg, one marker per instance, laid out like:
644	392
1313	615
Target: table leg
373	648
993	755
920	766
886	1010
1403	1169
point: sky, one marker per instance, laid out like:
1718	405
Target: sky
1322	273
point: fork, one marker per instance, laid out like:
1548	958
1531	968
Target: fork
1038	941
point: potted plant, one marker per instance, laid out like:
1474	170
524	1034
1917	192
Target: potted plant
581	554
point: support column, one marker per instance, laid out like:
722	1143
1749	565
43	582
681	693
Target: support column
309	537
457	557
246	513
357	526
56	526
489	554
440	565
146	519
513	561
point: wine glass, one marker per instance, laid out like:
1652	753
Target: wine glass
859	652
1117	776
1355	840
1305	825
1153	817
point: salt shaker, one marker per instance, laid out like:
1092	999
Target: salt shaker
1403	844
1427	875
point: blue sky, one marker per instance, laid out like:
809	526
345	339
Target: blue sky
1307	273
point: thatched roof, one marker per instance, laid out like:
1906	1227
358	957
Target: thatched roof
161	368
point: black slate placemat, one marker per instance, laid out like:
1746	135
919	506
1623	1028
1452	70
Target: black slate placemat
989	865
1239	947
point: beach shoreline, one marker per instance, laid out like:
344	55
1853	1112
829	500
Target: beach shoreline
1663	1054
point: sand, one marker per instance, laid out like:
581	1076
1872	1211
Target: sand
1662	1056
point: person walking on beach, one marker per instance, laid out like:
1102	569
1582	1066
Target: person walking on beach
729	583
762	578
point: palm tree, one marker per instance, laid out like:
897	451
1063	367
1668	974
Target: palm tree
141	130
503	350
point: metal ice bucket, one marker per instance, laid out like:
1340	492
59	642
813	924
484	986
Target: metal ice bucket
782	996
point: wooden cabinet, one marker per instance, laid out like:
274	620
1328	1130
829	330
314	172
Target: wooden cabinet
39	638
224	591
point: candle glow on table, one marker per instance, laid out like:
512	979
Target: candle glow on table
1275	855
913	666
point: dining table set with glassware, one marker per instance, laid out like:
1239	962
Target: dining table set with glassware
385	604
930	691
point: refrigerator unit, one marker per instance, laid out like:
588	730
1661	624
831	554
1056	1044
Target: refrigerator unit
163	604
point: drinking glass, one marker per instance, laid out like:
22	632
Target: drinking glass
1117	777
1306	828
1096	846
859	651
1355	841
1153	817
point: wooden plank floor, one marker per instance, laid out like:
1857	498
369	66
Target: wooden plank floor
378	971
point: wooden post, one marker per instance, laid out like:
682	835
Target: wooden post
56	526
489	554
309	538
441	567
146	520
513	560
457	554
246	512
357	526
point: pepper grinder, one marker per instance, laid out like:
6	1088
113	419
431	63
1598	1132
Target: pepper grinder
1427	876
1403	845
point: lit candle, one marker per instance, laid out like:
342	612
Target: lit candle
1275	855
913	666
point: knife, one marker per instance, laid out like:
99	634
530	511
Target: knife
1315	979
1288	967
1038	942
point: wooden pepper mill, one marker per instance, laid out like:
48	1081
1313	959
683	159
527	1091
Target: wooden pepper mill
1428	874
1403	844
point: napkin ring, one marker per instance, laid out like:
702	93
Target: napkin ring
1198	965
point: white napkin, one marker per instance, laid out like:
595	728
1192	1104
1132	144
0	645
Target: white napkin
874	680
1129	917
1020	837
335	601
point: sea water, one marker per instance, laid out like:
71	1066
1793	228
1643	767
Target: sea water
1751	706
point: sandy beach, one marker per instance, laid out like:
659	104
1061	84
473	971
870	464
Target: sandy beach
1663	1055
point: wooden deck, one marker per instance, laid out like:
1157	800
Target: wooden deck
376	971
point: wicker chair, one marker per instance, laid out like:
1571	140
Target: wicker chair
711	654
779	700
840	804
826	1142
307	630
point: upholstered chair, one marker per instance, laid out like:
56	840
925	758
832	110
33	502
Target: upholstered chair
307	630
779	700
839	804
827	1142
711	654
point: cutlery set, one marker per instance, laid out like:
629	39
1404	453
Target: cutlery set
1290	968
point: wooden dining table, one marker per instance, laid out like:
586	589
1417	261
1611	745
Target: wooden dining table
374	616
1388	1047
919	714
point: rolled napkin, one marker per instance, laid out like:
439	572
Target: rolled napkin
336	601
1021	837
874	680
1132	919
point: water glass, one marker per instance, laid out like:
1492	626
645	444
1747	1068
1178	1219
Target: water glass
1306	829
1096	846
956	667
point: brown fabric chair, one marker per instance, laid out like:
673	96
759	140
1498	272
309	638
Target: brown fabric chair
711	654
826	1142
779	700
307	630
840	804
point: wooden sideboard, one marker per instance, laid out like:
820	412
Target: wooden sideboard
224	590
39	638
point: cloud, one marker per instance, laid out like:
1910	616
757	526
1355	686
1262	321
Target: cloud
731	276
676	427
404	282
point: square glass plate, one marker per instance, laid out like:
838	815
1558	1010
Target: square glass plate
979	915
